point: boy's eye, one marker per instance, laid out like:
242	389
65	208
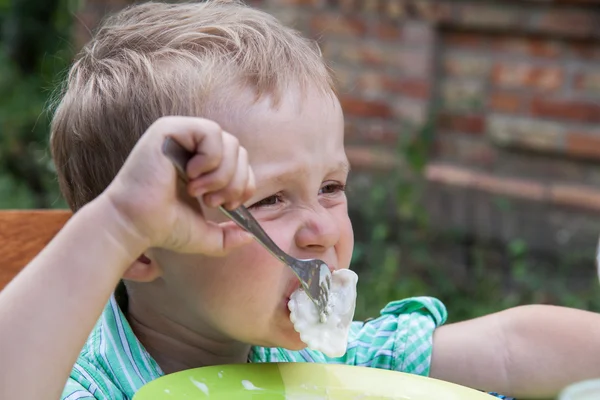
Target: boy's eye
268	201
332	188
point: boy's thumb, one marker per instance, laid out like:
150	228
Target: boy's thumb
234	236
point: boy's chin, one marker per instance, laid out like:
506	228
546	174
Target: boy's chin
290	341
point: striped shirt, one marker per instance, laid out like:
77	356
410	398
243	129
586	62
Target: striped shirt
113	364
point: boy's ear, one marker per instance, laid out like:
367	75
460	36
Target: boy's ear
142	270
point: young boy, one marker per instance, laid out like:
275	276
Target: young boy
256	103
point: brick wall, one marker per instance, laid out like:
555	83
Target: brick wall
515	89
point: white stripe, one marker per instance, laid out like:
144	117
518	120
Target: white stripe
117	353
108	384
153	371
80	394
384	333
359	343
102	352
93	387
383	352
123	337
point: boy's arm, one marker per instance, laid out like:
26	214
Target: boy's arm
527	352
50	308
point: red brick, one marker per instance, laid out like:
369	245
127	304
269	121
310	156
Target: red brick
586	50
411	87
388	31
365	108
325	24
361	53
548	78
372	83
372	55
506	102
466	123
588	82
528	46
569	23
464	39
583	145
573	110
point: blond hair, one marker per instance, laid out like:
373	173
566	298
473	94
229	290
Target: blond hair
158	59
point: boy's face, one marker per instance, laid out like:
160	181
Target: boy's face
297	155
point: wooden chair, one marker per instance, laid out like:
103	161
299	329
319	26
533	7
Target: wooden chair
23	234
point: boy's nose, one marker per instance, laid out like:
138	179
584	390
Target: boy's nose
318	231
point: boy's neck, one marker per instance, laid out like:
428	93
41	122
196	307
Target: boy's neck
176	348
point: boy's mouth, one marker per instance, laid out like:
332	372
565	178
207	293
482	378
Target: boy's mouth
293	286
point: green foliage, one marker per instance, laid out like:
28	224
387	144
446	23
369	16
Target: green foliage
33	53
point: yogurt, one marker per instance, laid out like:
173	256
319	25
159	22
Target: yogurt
328	335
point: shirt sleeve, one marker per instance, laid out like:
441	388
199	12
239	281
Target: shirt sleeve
401	339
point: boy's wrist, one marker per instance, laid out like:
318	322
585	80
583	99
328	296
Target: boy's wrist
117	227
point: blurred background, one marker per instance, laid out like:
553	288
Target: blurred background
473	129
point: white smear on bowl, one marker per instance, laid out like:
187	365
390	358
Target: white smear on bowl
250	386
200	385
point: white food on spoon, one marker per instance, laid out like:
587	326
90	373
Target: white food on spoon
328	335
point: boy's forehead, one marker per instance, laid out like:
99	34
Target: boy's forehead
300	122
243	106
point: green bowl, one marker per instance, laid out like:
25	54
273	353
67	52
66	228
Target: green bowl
301	381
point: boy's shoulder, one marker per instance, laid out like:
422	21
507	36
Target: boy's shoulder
112	364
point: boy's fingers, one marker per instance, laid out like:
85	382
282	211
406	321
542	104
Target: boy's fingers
198	135
210	155
215	239
234	237
233	194
219	178
250	186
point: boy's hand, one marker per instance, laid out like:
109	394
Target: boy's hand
145	191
